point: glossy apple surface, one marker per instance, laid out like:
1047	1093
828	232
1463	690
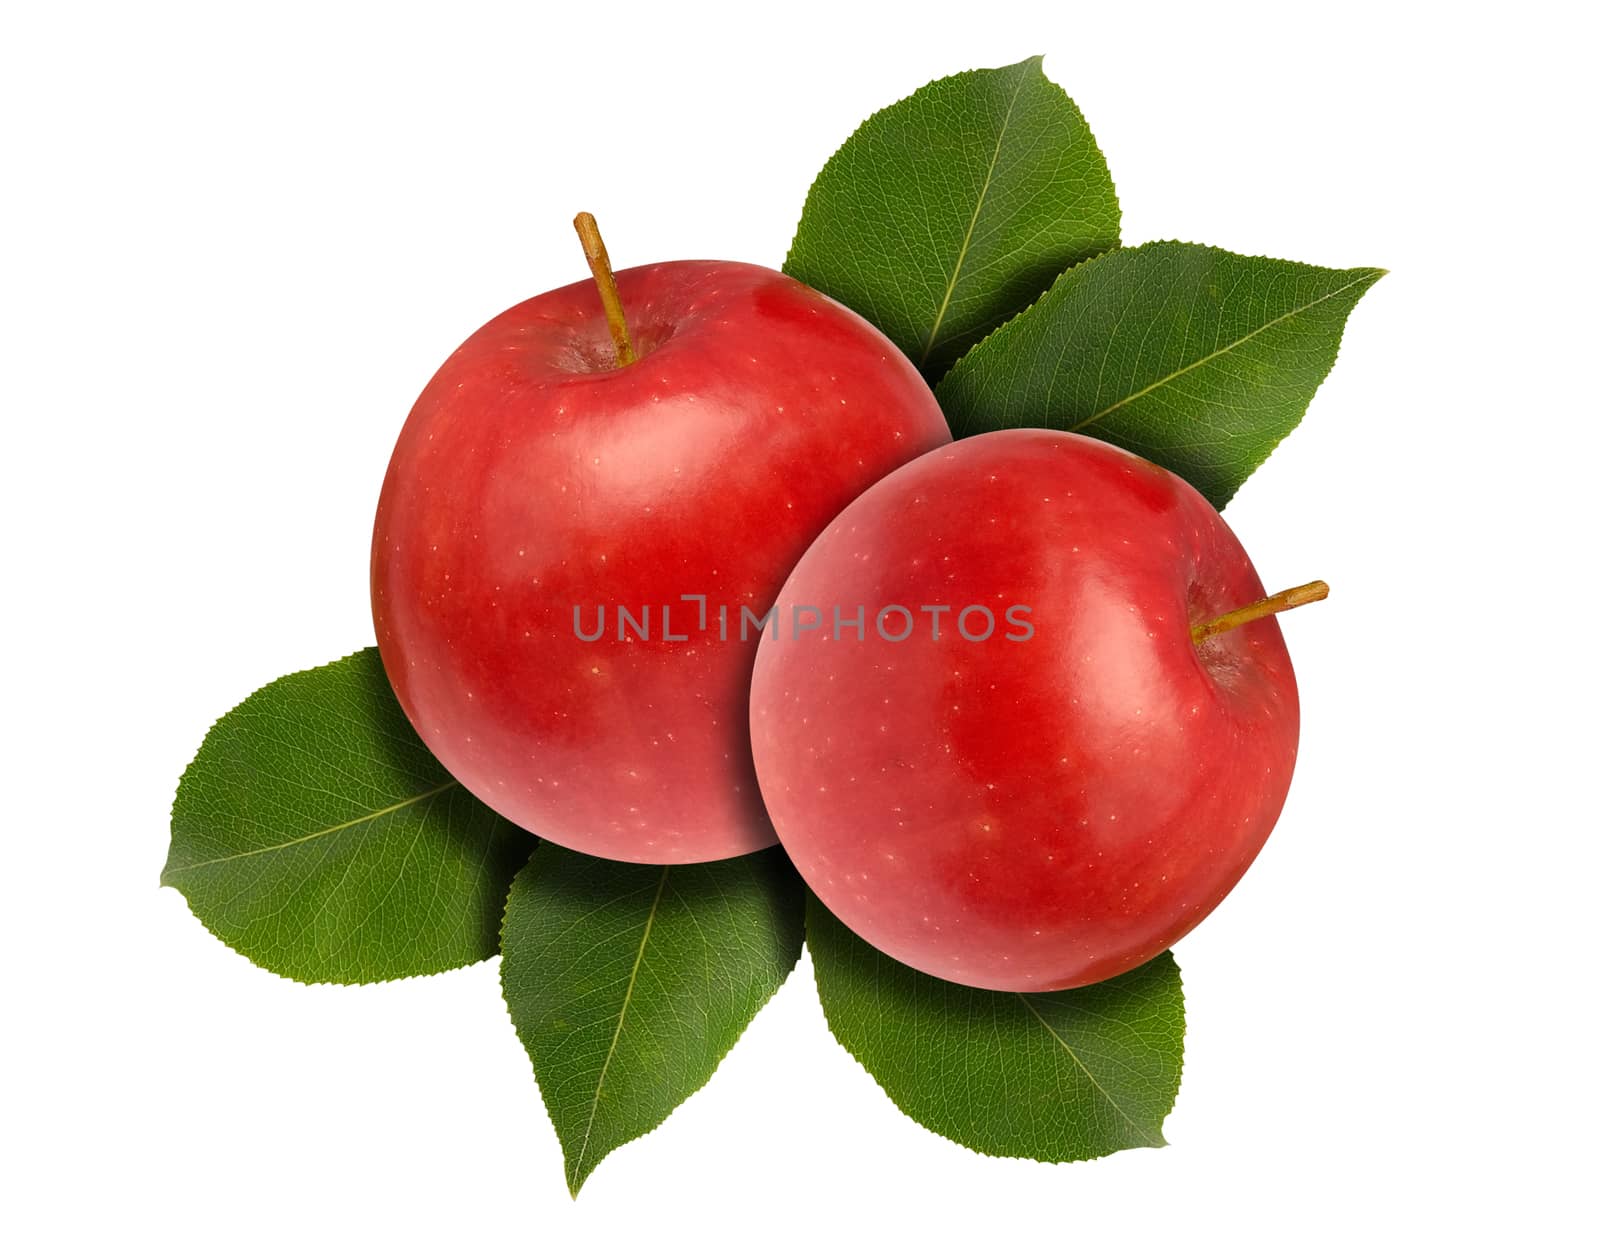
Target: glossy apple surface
1025	814
534	476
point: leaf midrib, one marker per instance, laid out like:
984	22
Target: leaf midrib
324	832
1222	351
575	1174
1152	1139
972	223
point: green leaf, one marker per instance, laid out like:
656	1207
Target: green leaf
315	834
1055	1076
629	983
948	212
1196	358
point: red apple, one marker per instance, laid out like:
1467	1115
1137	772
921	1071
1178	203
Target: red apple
1056	801
538	476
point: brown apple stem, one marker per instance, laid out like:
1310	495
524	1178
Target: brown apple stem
600	264
1290	598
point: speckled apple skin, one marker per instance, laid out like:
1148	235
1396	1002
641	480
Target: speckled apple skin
1040	814
533	476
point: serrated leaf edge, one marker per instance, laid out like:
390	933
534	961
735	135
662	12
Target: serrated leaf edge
277	973
1371	275
989	1154
575	1173
1154	1140
1377	272
1116	205
572	1188
998	327
856	132
1094	142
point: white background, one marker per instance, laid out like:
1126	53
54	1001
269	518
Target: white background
238	240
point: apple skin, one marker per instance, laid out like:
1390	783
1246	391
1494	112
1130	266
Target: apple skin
1037	814
534	475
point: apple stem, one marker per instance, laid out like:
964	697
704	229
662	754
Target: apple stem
1290	598
600	264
